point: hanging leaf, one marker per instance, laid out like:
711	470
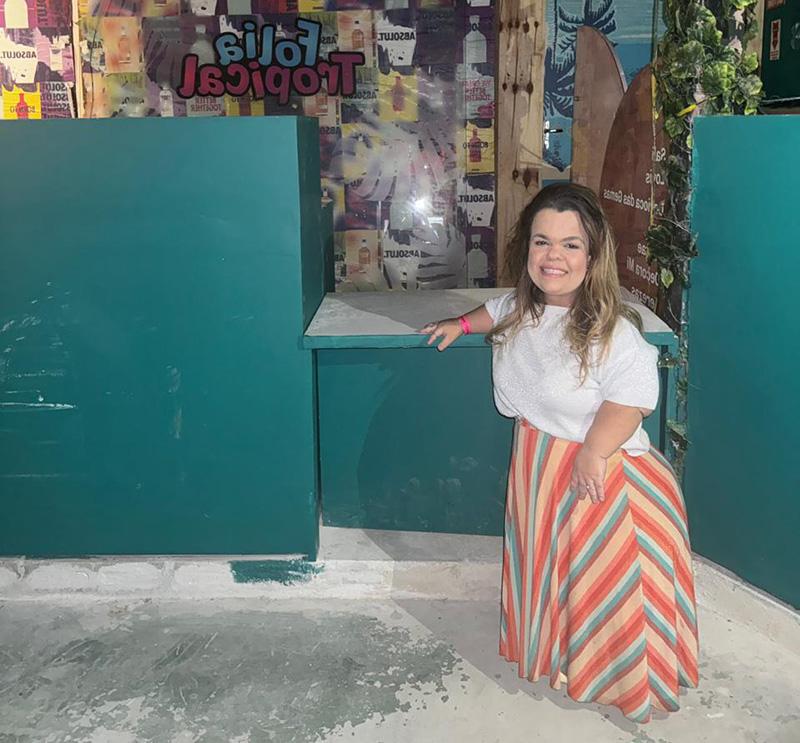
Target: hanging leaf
751	86
688	57
667	361
673	126
667	277
718	78
678	429
749	62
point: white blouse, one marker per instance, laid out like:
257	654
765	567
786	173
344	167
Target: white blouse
536	376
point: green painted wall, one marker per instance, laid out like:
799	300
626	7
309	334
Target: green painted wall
154	280
411	440
742	481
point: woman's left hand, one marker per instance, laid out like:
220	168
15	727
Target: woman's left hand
589	474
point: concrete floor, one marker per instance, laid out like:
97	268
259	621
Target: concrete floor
256	669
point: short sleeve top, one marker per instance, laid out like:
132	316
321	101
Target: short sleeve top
536	376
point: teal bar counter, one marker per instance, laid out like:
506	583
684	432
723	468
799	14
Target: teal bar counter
409	437
156	278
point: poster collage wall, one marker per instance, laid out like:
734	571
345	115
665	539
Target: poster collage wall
37	75
407	160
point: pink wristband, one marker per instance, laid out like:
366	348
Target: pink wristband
466	328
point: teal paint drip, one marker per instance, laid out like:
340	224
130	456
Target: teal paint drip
287	572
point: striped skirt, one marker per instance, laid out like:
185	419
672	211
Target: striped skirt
602	594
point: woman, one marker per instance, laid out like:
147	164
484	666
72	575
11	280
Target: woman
597	585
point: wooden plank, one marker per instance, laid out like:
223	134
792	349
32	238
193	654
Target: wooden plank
77	58
756	43
522	39
599	87
632	187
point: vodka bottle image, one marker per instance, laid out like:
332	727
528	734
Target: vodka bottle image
475	147
357	37
364	256
360	157
321	101
362	145
400	217
16	14
56	58
22	107
124	47
474	43
477	263
203	7
202	47
398	94
165	102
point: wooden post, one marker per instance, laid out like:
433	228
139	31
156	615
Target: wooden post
77	58
522	40
756	43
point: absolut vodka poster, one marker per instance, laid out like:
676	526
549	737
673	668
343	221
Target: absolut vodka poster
37	72
406	120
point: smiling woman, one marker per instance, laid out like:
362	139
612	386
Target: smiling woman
558	255
597	587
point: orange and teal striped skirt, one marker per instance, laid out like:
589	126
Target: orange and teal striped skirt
602	594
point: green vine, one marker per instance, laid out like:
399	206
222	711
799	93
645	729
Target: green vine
701	66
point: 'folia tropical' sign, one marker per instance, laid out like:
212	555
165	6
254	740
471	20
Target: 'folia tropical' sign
258	63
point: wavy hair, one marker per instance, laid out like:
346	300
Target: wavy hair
598	304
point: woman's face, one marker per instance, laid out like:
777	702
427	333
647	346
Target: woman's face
558	255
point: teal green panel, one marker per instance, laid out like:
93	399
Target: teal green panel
316	249
781	76
316	223
654	424
410	439
154	395
742	481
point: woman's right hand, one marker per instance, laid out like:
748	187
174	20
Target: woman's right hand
448	330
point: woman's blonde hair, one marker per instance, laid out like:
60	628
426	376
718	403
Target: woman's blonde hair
598	304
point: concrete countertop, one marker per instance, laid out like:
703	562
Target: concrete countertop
392	319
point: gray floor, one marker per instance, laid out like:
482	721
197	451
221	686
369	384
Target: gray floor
250	670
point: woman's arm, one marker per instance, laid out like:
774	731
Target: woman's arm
449	330
628	380
613	425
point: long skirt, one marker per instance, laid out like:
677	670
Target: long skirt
602	594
